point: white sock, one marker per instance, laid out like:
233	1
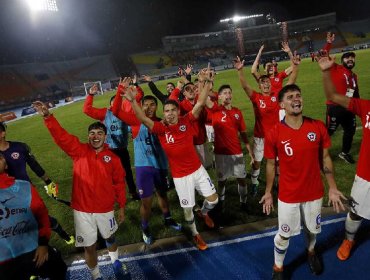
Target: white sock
243	191
208	206
95	272
281	246
189	218
351	227
254	176
113	255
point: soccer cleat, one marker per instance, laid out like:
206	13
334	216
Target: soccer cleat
207	219
120	270
199	242
170	222
346	157
277	273
345	249
71	240
52	190
315	263
147	237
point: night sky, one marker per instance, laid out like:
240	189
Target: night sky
91	27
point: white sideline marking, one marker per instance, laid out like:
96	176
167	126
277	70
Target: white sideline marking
105	260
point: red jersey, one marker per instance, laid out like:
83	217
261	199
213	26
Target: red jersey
300	159
227	125
177	143
277	81
266	112
95	113
98	178
361	108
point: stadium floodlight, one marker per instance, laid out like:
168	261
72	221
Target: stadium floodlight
237	18
43	5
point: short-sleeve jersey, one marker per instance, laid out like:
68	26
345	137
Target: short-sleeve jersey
361	108
266	112
227	125
300	158
177	143
277	81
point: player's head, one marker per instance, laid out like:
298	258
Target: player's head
348	60
111	100
171	111
2	130
225	94
269	68
170	87
264	84
189	90
97	132
290	99
149	105
3	165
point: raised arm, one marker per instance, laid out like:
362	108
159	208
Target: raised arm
285	48
254	71
206	77
325	63
335	195
156	92
239	67
330	37
295	60
88	109
129	95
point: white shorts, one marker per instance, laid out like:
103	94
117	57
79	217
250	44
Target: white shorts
210	133
88	224
185	187
361	194
205	155
291	215
258	148
230	166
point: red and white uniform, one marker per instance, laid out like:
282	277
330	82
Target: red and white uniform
299	153
277	81
361	108
266	112
98	178
227	125
177	143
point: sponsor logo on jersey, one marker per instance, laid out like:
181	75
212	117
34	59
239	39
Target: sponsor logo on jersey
107	158
15	155
182	128
285	228
311	136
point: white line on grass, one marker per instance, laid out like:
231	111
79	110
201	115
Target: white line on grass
104	260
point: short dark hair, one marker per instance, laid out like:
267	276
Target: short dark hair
224	87
262	77
170	83
347	54
287	88
171	102
97	125
149	97
2	126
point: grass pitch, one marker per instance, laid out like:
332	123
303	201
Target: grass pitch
59	167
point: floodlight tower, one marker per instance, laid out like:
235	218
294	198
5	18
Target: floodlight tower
42	5
232	24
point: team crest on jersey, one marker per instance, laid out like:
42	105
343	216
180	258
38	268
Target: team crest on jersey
273	99
236	116
182	128
107	158
15	155
311	136
285	228
276	79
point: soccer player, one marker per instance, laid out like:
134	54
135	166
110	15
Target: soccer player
346	84
25	232
18	155
360	208
228	124
117	135
276	78
150	163
98	180
176	134
302	145
266	111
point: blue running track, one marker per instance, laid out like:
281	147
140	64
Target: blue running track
248	256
